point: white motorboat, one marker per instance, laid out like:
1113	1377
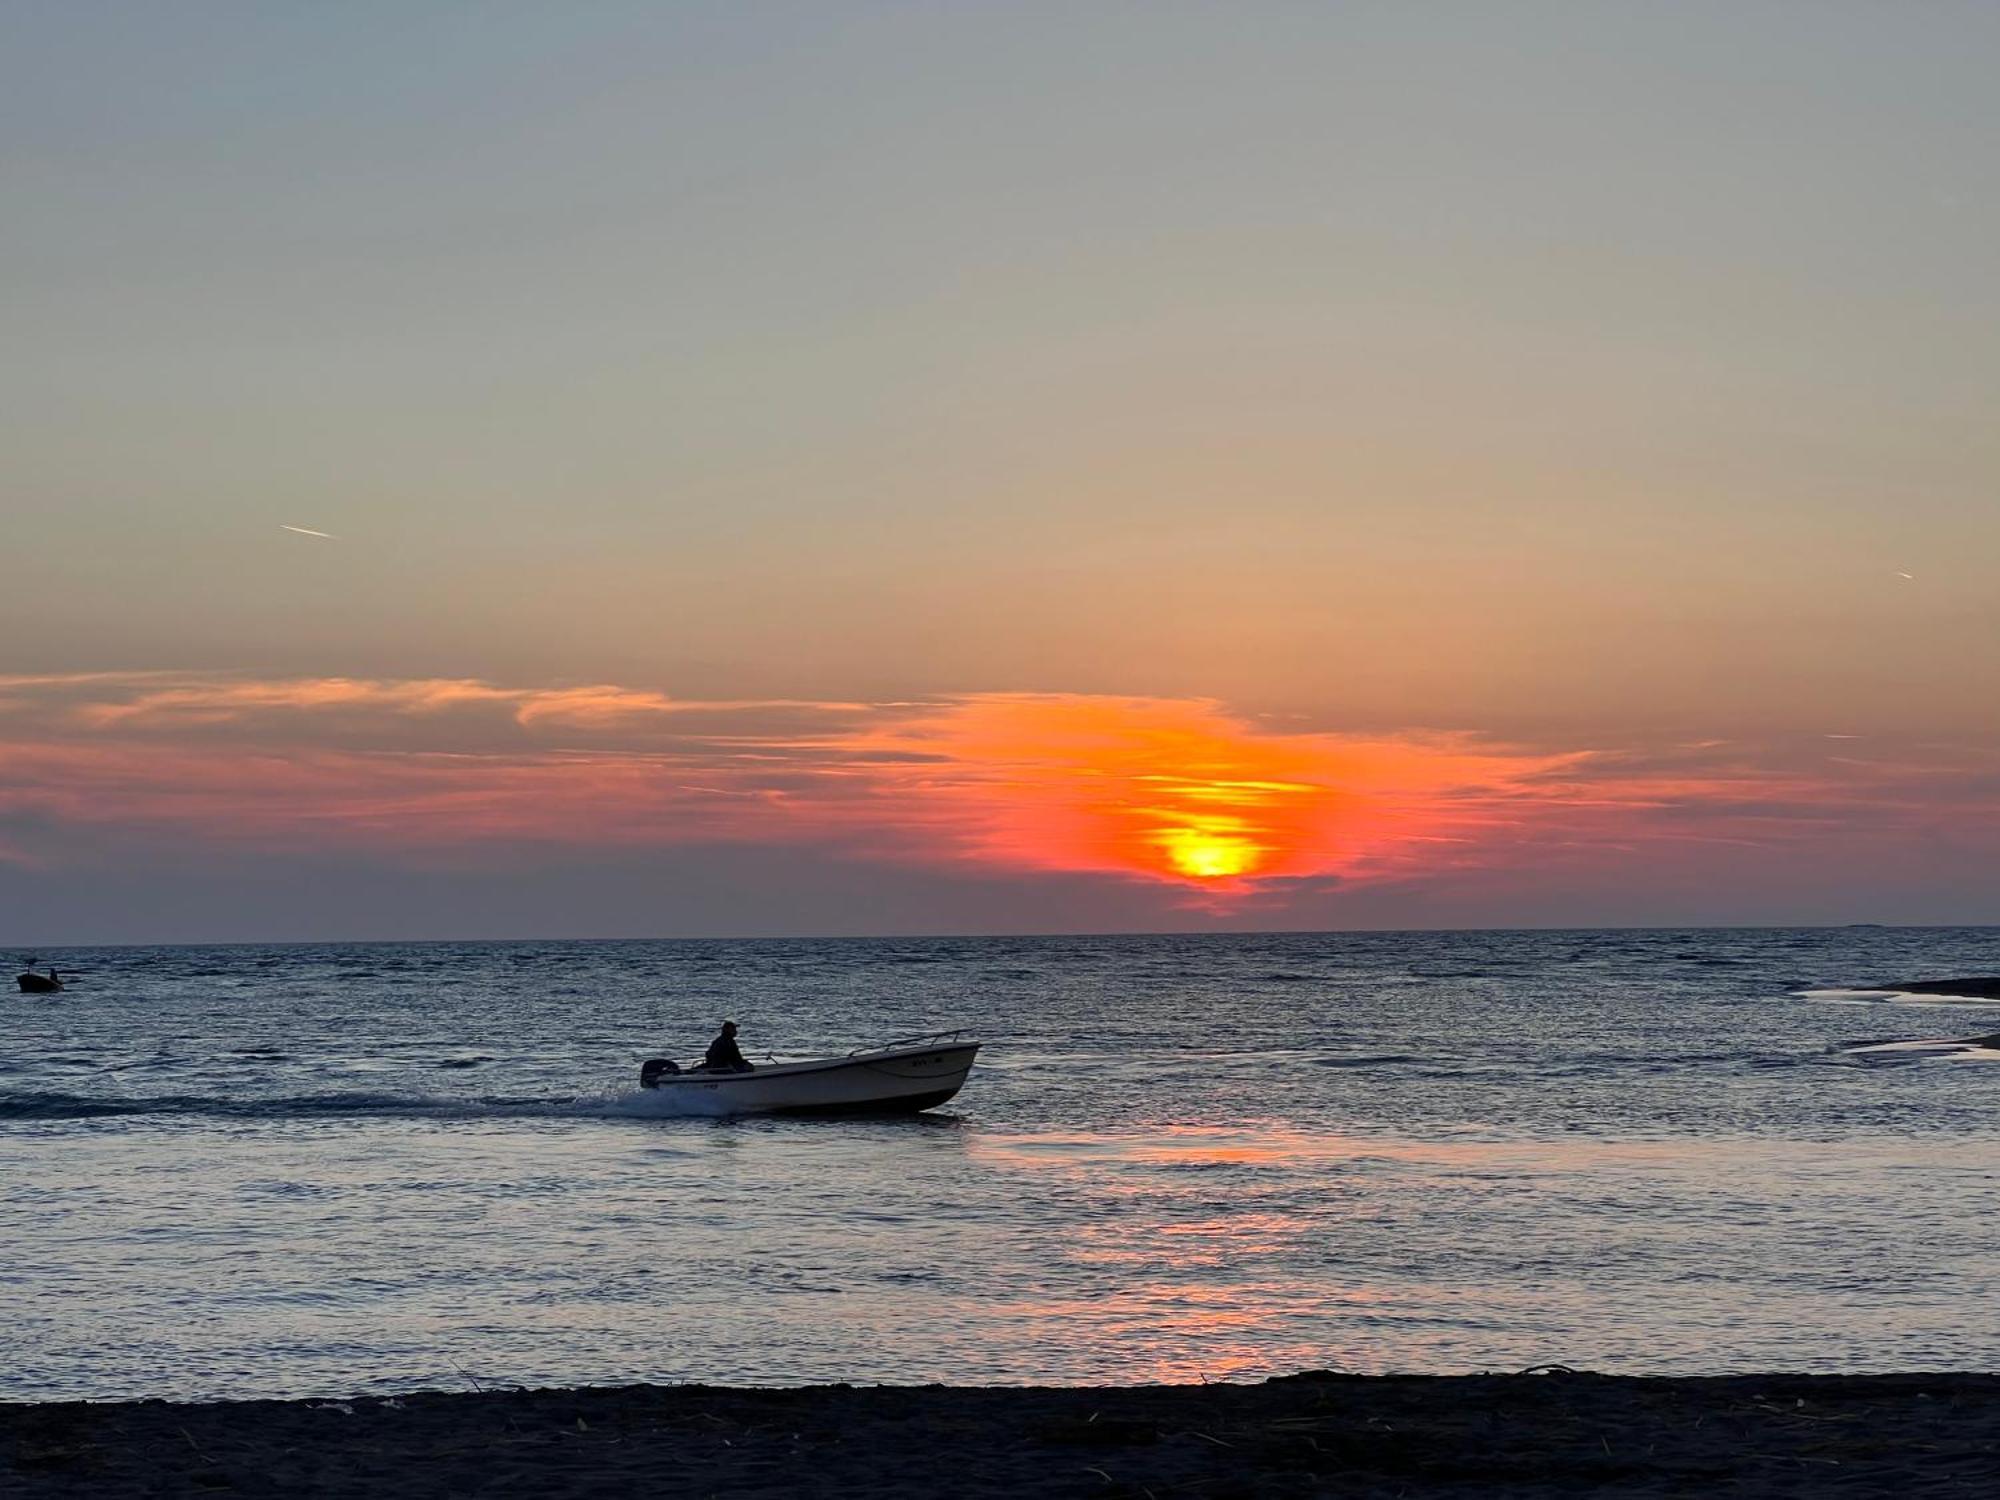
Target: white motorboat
899	1077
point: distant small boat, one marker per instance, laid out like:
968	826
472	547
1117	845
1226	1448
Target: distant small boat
900	1077
32	983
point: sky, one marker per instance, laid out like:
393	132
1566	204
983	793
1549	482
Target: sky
511	470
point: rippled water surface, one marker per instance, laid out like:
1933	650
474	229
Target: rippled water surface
330	1169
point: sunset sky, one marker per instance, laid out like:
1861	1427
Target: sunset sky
681	469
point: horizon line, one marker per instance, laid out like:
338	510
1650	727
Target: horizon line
967	937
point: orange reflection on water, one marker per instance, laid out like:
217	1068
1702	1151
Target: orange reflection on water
1097	1152
1173	1145
1175	1332
1204	1242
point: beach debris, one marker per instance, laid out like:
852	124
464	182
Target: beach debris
474	1379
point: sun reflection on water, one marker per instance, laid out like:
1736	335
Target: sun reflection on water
1293	1276
1173	1145
1175	1332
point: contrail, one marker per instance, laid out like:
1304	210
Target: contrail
308	531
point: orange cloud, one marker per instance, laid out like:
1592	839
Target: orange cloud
1183	791
1177	792
172	701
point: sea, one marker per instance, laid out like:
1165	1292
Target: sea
346	1169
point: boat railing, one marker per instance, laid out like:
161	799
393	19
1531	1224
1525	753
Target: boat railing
940	1038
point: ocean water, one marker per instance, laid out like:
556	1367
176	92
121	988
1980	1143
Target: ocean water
325	1170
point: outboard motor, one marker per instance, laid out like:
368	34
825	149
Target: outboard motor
655	1068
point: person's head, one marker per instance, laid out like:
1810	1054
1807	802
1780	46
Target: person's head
729	1028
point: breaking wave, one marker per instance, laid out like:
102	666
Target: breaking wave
1894	997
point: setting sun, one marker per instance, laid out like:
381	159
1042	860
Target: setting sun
1212	849
1182	791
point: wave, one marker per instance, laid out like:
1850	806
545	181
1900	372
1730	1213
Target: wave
627	1104
1894	997
1920	1050
1380	1060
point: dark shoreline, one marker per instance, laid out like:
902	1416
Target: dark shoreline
1534	1434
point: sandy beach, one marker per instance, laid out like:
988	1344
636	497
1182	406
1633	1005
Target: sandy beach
1533	1434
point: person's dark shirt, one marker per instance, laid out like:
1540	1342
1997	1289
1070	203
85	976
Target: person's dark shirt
725	1056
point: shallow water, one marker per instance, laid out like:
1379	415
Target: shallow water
332	1169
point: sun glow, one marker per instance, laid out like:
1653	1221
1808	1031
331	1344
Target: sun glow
1184	792
1210	849
1176	791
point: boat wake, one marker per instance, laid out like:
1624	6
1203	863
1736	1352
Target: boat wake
649	1104
633	1104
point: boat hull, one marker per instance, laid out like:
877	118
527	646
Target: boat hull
889	1081
902	1104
